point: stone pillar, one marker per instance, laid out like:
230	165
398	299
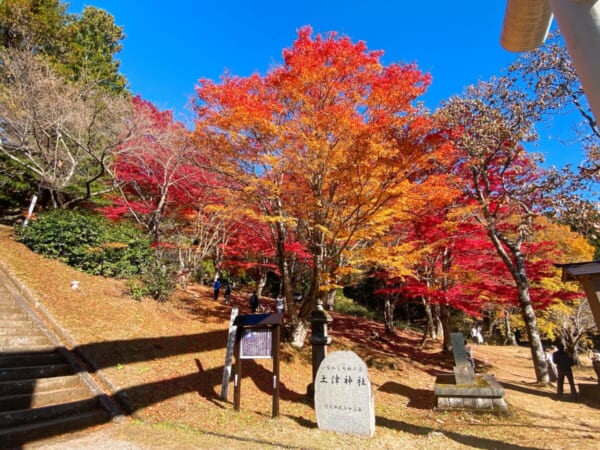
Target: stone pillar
579	22
319	340
596	366
526	25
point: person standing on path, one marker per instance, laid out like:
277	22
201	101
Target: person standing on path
279	303
253	302
227	293
216	288
478	334
469	352
563	362
474	334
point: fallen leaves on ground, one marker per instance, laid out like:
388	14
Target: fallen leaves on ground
164	361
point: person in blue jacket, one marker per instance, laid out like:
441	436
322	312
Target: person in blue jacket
216	288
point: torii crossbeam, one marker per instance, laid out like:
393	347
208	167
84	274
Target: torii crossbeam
526	25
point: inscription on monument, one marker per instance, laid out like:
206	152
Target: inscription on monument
463	371
343	395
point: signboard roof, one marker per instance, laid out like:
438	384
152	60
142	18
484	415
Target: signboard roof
258	320
574	271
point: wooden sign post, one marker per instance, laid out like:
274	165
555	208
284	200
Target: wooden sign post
229	355
257	337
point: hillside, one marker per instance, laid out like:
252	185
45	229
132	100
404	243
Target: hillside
165	361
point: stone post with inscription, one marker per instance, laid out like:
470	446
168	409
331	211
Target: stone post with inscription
343	396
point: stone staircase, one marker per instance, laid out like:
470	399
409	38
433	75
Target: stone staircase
43	391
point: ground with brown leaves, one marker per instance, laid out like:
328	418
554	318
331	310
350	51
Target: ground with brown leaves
164	361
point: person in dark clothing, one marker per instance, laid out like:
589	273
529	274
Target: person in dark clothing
469	352
227	292
564	362
216	289
253	302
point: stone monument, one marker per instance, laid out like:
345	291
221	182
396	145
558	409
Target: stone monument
343	395
464	389
463	370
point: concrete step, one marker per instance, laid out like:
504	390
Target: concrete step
18	435
31	348
20	327
30	359
8	316
10	308
40	394
23	325
20	321
23	340
26	415
15	387
40	399
32	372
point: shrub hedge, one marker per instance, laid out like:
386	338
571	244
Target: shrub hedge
88	242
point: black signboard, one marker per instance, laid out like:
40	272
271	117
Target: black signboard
257	336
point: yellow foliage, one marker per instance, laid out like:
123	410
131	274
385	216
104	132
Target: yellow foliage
572	246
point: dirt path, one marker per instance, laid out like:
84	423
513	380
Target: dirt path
558	423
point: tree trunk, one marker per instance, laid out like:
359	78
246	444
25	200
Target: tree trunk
330	300
262	282
431	327
444	308
388	315
445	321
284	270
535	343
515	263
492	328
406	309
314	294
510	336
299	332
438	329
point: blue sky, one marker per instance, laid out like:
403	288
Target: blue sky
170	45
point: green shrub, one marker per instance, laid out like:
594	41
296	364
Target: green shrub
349	307
88	242
137	290
159	275
205	272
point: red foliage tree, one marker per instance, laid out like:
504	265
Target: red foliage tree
320	148
166	184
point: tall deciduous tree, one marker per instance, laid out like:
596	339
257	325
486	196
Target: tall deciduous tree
490	123
78	50
553	87
321	146
164	185
61	134
155	169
